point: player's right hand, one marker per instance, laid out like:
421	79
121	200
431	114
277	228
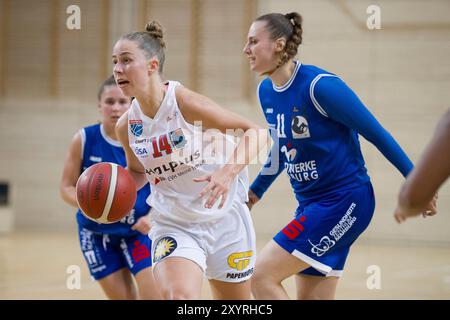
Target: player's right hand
431	209
252	199
401	214
142	225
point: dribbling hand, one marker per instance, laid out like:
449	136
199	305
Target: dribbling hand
142	225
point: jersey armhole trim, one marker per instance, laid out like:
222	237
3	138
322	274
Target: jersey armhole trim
191	125
83	141
257	94
108	139
311	93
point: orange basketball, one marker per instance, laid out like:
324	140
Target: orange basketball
106	192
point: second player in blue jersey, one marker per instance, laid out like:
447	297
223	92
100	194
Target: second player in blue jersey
116	252
315	120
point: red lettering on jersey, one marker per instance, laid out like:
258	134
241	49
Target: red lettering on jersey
139	252
164	144
156	152
294	228
161	144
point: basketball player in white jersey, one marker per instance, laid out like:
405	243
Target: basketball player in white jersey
200	222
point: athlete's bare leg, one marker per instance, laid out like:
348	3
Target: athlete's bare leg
119	285
148	290
273	265
178	278
315	287
230	291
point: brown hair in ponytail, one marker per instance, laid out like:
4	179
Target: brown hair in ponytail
151	41
288	26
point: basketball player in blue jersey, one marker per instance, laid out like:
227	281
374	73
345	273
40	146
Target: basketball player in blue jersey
315	120
113	252
432	169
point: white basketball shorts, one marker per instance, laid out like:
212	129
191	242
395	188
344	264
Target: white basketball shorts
224	248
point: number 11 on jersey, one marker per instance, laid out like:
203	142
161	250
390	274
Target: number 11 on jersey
280	125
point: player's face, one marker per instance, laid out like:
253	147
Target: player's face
130	67
113	103
260	48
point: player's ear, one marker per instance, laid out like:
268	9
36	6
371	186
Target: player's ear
280	44
153	65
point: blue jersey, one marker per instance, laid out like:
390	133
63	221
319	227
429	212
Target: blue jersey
98	147
315	119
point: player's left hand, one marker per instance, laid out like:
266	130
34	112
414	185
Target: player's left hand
218	186
142	225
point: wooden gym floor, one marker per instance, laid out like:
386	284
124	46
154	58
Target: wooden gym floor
33	266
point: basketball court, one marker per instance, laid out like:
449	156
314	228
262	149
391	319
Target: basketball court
394	54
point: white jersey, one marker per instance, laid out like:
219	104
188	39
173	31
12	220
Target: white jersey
173	153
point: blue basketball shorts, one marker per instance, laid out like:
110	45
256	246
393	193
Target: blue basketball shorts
107	253
323	231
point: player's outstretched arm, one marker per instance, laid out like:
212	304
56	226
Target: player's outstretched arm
196	107
134	167
432	169
71	171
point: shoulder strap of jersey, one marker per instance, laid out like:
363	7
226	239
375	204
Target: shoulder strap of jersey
88	137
